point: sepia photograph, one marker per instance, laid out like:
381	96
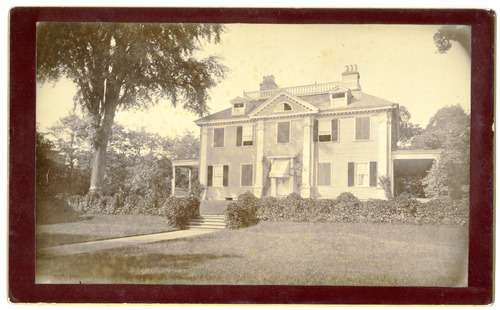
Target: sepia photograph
254	154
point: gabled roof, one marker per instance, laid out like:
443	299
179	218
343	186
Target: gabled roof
319	103
309	107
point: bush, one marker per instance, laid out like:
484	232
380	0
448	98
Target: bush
180	210
243	212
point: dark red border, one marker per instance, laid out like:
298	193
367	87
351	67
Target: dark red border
22	167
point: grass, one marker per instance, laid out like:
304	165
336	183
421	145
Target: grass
281	253
91	227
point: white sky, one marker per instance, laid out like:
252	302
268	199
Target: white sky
396	63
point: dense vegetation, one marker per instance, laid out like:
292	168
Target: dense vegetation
346	208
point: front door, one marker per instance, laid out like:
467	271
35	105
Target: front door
282	186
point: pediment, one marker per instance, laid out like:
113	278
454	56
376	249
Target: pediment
283	103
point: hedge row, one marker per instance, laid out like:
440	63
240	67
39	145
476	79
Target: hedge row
346	208
177	210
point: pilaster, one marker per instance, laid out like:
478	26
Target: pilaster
383	152
203	168
259	143
305	190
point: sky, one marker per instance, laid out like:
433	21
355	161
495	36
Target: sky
397	63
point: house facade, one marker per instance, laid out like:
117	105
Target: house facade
318	140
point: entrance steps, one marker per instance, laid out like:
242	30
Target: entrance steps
207	222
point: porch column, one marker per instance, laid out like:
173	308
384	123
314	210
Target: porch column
189	182
203	168
173	181
259	141
383	150
305	190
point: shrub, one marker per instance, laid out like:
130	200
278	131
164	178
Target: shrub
180	210
236	216
243	212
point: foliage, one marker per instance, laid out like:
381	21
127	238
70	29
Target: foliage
447	33
266	163
297	169
449	130
180	210
241	213
128	66
385	182
407	130
50	170
346	208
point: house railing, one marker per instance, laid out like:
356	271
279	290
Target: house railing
310	89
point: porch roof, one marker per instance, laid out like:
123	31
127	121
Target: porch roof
415	154
191	163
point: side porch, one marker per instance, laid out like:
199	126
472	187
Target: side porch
184	172
409	167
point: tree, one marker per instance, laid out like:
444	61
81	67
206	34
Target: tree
71	139
449	130
448	33
407	130
128	66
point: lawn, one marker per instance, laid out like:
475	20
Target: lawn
281	253
91	227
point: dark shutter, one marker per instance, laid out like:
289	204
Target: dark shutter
359	128
335	129
315	131
225	180
284	132
239	136
209	175
366	128
373	174
350	174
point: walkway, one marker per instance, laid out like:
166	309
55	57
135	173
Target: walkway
92	246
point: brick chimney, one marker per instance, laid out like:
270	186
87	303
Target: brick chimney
350	77
268	83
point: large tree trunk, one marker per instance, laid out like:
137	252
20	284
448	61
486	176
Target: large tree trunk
99	163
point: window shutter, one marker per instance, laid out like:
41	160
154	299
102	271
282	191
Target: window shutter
366	127
209	175
350	174
335	129
315	130
359	128
239	136
225	180
373	174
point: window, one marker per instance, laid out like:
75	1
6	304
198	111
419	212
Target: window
335	130
247	175
283	107
324	174
218	175
219	137
362	174
363	128
283	132
244	135
238	108
338	99
326	130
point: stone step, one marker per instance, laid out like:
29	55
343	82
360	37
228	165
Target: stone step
211	222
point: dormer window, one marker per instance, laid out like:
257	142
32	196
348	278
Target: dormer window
283	107
238	109
338	98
